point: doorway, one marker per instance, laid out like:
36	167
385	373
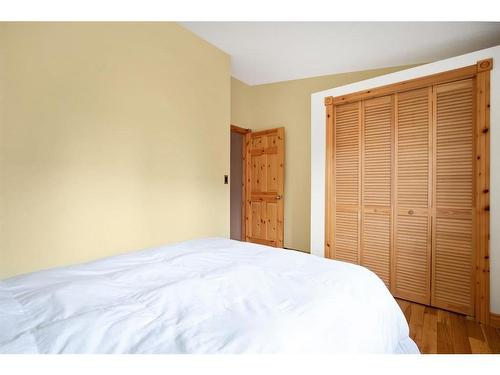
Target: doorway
237	188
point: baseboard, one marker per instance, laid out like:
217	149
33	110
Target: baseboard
495	320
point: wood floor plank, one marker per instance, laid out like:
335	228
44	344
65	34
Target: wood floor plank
477	340
405	307
458	331
443	332
444	336
479	346
492	338
429	331
417	323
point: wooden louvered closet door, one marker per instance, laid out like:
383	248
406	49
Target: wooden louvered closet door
347	179
453	248
377	128
411	265
408	186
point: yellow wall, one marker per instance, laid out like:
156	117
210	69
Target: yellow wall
288	104
241	103
113	137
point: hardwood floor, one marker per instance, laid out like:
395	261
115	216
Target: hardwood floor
443	332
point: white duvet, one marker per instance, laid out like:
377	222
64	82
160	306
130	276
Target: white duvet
202	296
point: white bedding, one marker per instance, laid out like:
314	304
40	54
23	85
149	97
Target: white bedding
202	296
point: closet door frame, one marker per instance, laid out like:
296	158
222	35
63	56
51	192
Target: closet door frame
480	72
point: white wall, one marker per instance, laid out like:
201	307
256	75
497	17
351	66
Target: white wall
318	144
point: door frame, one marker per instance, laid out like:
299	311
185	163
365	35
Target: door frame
481	73
243	132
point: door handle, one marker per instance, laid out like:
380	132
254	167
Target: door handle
278	197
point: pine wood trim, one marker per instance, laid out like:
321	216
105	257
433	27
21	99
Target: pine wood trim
243	187
495	320
415	83
239	130
248	168
329	180
280	230
484	65
482	171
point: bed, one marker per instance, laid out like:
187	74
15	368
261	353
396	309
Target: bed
202	296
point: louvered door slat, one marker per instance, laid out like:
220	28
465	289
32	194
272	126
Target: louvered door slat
346	175
453	252
411	266
376	185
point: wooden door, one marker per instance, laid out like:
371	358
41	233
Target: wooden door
453	250
377	126
346	213
265	158
411	266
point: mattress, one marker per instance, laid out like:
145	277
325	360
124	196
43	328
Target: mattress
208	295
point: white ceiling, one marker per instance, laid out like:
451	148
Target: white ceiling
264	52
